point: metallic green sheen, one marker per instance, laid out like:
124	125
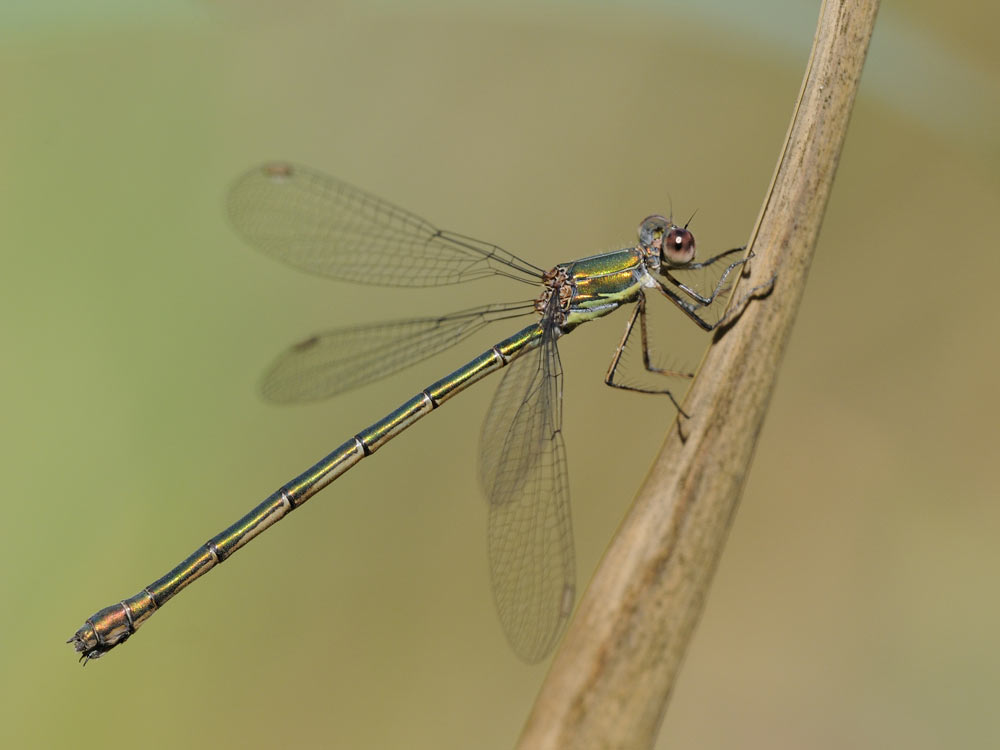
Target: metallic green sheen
395	422
113	625
253	523
195	566
604	264
318	476
525	340
602	283
463	377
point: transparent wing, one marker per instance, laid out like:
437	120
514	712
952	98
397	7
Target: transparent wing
523	474
324	226
339	360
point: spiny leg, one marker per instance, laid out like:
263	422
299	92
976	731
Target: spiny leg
691	309
609	378
720	256
705	301
761	290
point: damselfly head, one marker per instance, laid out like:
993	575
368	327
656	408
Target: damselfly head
674	244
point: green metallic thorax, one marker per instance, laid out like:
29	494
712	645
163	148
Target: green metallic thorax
603	283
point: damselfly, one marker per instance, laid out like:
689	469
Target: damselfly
327	227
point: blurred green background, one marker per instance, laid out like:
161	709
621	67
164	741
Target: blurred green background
856	603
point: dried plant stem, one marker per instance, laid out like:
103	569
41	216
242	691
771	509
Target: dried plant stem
609	684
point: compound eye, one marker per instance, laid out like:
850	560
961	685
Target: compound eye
651	230
678	247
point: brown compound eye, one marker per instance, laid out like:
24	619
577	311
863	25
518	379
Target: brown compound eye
678	247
